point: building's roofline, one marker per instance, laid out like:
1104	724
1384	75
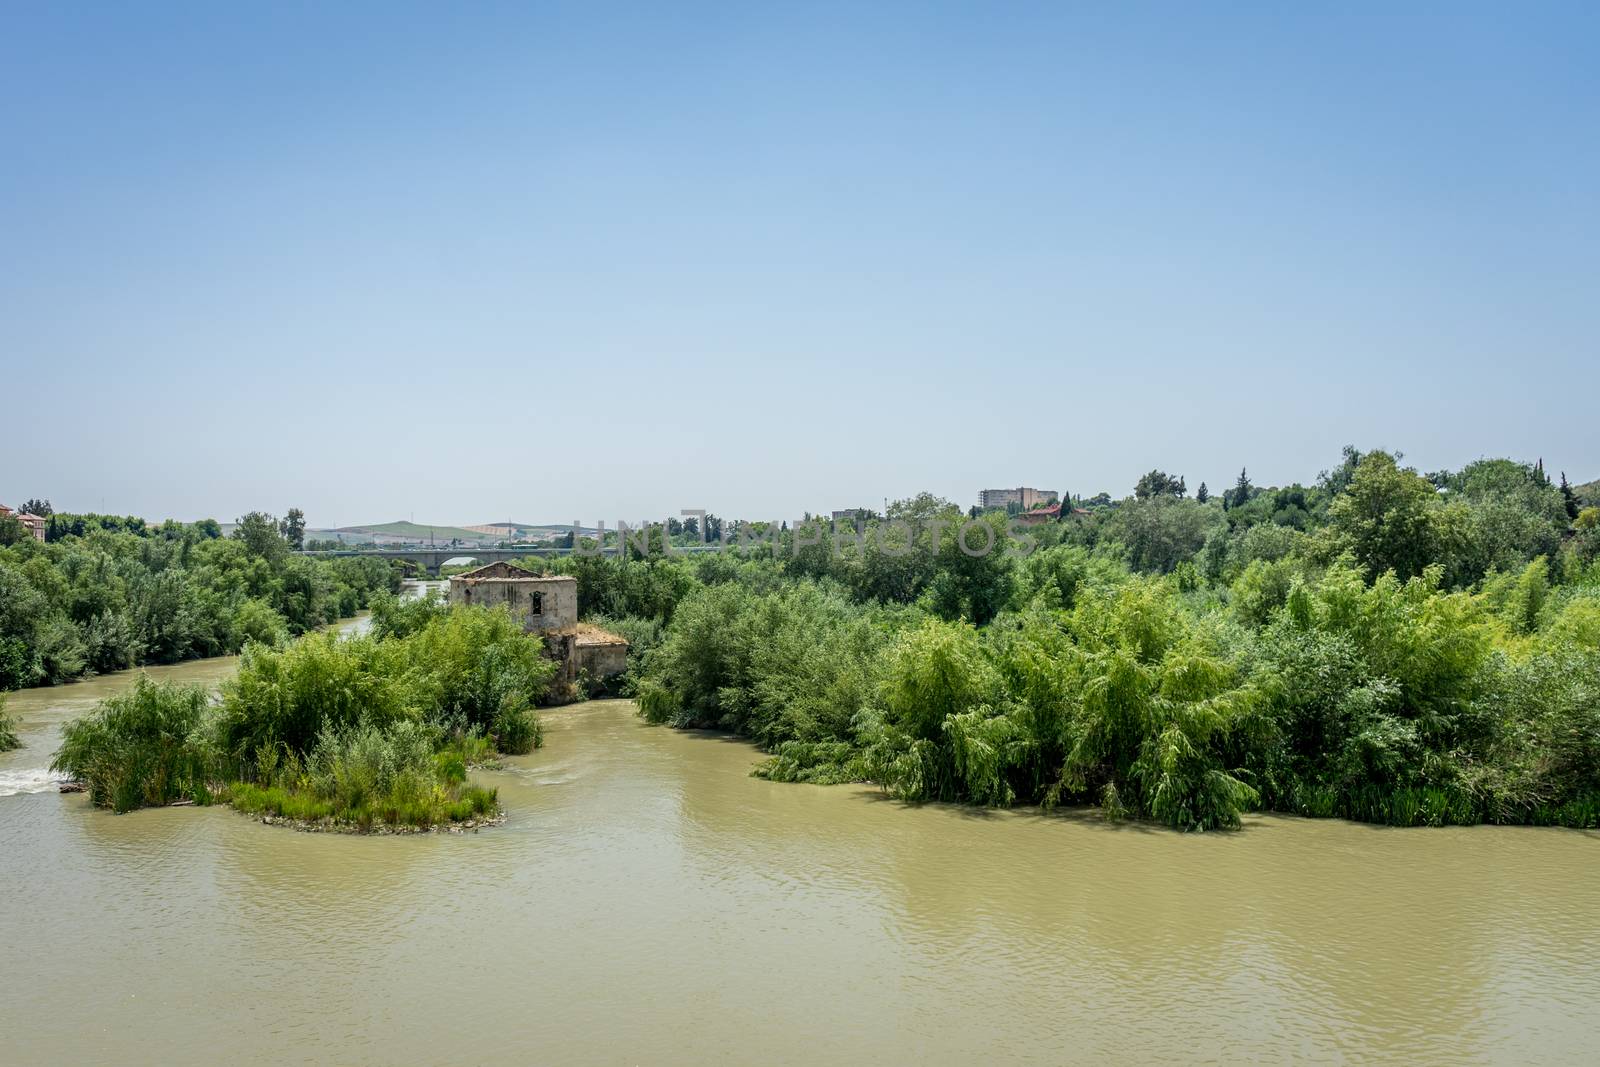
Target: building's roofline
587	633
477	575
500	578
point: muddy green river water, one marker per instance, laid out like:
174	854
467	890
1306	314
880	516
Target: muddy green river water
649	902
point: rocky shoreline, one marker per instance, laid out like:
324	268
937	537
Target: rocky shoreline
379	829
334	826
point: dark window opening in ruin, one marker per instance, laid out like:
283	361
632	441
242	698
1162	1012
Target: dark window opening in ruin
537	605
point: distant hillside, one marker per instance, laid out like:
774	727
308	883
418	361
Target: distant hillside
1588	493
420	532
412	531
537	529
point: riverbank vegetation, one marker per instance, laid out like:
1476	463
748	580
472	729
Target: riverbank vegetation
8	729
105	594
335	730
1380	645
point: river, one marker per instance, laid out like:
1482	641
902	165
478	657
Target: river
649	902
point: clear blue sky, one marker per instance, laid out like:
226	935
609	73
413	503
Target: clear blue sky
473	262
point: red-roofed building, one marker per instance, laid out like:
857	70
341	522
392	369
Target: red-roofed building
34	524
1039	516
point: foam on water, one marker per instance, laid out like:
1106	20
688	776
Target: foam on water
29	780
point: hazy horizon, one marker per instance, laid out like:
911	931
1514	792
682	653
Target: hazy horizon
624	513
387	260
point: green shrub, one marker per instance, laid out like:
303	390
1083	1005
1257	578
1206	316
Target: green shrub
1577	623
472	747
140	747
1261	590
517	730
395	617
794	663
821	763
1544	752
257	620
450	767
468	665
8	729
359	766
475	801
276	800
367	776
289	697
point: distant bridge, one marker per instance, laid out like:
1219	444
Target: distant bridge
429	560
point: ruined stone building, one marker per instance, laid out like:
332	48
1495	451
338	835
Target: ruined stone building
549	603
547	606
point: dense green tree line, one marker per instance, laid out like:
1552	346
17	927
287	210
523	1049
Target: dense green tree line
104	595
1379	645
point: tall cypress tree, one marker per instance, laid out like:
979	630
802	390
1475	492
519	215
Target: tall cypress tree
1568	497
1240	492
1202	494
